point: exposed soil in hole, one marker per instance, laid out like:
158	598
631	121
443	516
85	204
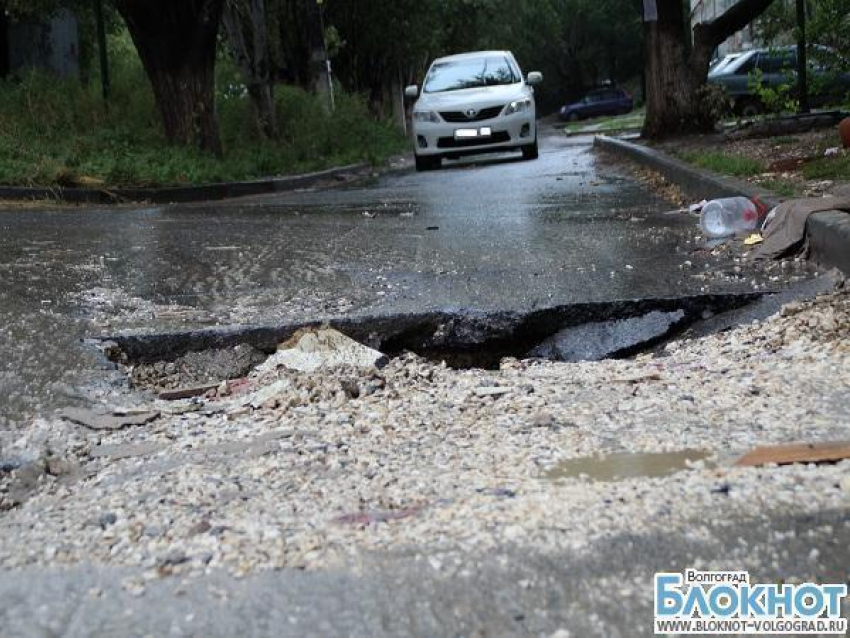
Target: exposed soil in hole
197	368
579	332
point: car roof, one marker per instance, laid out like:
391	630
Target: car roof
473	54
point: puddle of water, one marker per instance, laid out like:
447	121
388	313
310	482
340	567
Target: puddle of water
619	467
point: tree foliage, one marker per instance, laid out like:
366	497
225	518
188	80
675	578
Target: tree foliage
376	46
575	43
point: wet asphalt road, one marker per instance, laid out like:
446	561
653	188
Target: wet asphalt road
501	234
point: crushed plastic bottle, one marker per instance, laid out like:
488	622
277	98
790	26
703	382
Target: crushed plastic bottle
729	216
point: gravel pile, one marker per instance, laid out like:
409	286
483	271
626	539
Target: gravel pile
311	470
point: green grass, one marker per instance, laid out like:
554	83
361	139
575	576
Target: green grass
633	120
58	133
781	187
785	140
834	168
724	163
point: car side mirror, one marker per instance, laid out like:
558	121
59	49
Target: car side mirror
411	91
534	78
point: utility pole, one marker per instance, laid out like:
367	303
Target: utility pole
320	64
802	69
101	47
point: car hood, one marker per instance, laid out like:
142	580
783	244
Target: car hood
472	98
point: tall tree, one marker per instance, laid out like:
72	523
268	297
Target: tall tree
176	41
247	33
676	68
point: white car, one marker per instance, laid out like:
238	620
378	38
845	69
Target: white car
474	103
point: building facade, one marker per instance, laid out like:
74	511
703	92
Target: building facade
52	45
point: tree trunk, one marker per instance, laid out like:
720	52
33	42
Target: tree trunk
245	24
176	41
670	97
4	43
676	73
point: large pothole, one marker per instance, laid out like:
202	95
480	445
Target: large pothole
463	339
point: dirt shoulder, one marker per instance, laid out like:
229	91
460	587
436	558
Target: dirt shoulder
809	164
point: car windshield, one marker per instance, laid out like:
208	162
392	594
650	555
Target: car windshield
721	64
470	73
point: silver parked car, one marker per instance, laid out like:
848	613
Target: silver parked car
474	103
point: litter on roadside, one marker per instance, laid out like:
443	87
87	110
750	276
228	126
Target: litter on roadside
784	230
753	239
796	453
696	209
731	215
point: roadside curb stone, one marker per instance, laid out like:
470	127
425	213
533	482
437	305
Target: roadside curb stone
177	194
829	232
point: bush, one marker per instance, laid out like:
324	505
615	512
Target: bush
59	133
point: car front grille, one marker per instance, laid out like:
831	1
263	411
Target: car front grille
457	117
497	138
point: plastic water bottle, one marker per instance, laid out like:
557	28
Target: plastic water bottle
729	216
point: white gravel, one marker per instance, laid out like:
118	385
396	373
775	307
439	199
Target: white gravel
419	457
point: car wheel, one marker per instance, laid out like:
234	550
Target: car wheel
427	162
749	108
573	117
530	152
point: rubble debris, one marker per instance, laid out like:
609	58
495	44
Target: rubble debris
362	519
269	394
196	369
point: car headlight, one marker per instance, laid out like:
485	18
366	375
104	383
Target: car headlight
519	106
426	116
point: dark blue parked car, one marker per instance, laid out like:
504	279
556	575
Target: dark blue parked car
607	101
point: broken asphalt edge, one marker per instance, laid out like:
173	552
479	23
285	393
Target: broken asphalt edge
178	194
435	333
829	232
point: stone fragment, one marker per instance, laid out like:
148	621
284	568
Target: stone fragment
187	393
313	349
96	420
492	391
268	395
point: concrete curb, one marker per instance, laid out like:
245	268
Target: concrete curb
177	194
697	182
829	232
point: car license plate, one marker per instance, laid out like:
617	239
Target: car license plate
470	133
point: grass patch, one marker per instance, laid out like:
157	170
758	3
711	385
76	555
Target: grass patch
58	133
724	163
781	187
633	120
785	140
834	168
